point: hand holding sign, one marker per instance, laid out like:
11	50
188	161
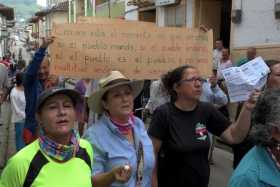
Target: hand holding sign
241	81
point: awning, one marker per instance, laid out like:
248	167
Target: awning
60	7
8	12
141	3
42	13
34	19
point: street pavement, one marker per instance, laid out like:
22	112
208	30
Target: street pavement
222	168
7	135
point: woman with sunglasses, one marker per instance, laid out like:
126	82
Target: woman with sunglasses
179	130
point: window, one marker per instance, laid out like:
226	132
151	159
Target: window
175	16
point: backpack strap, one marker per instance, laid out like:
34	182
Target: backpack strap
82	154
40	160
36	165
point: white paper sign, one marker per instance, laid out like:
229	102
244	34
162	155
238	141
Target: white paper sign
241	81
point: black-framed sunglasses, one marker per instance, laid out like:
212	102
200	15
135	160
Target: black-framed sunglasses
193	80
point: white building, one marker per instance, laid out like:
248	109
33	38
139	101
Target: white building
56	12
6	16
239	23
259	26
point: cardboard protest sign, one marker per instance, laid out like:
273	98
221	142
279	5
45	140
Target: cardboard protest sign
92	50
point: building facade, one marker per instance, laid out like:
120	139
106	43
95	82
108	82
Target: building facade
6	21
240	23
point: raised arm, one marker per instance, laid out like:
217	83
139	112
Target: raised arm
238	130
34	66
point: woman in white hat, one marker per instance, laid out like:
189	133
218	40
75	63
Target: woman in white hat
118	137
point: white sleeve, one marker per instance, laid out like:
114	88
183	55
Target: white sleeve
15	104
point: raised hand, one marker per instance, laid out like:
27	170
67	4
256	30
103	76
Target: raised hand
251	102
46	41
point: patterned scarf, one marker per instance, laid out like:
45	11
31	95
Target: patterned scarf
124	128
273	157
58	151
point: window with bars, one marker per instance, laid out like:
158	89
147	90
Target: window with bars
175	16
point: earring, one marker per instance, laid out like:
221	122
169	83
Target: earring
278	147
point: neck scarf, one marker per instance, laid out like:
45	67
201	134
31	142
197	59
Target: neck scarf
58	151
269	150
124	128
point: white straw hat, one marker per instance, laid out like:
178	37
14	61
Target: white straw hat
114	79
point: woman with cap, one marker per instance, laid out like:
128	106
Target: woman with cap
118	137
58	158
260	167
179	130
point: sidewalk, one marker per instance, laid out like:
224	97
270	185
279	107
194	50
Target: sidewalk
7	135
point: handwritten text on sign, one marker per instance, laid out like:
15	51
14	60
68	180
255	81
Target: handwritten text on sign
92	50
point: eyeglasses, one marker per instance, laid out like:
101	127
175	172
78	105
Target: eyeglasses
193	80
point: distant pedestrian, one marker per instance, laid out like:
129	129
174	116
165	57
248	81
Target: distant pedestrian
4	85
18	104
158	96
217	53
251	53
82	109
224	63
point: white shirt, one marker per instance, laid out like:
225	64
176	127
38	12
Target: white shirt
215	95
18	105
158	96
217	56
222	66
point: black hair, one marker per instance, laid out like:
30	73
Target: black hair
174	77
271	63
19	78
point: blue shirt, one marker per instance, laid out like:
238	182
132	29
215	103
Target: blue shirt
256	169
215	95
32	89
112	149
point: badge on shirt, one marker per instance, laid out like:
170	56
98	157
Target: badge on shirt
201	131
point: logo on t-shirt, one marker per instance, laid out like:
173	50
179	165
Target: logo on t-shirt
201	131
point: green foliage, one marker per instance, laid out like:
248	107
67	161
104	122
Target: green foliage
23	8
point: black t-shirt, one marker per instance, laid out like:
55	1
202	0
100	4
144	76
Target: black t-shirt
183	158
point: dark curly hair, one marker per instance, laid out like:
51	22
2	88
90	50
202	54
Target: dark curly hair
265	117
19	78
174	77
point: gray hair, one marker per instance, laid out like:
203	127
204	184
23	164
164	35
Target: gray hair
265	117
